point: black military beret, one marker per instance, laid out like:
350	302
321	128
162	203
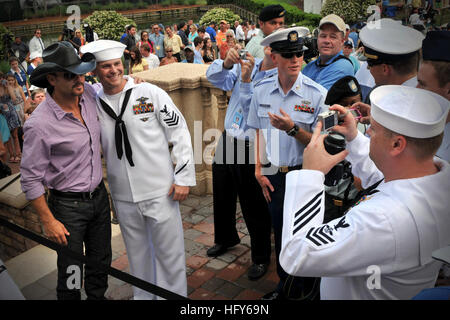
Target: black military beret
271	12
436	46
345	87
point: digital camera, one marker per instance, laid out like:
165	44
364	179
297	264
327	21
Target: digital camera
329	119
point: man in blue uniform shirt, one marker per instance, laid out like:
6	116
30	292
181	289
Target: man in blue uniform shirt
233	167
331	65
289	102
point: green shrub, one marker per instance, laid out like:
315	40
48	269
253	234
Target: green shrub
108	24
293	14
3	31
350	10
218	14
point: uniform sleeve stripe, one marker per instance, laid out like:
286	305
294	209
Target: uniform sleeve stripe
308	204
313	207
308	236
307	220
315	234
179	170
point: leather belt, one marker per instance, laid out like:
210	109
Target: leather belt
77	195
285	169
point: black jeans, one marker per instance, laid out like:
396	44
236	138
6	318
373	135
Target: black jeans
88	222
290	286
230	180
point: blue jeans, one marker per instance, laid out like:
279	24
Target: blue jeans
88	222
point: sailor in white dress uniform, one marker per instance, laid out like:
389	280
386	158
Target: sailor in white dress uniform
143	180
382	247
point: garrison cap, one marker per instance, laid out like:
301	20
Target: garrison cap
413	112
104	50
387	41
345	87
436	46
271	12
286	40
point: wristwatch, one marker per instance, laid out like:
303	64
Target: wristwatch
292	132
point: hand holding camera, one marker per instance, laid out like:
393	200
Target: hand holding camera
316	157
343	122
247	67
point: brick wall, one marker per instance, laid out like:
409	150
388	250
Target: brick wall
11	243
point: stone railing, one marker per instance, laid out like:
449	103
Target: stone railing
14	208
202	105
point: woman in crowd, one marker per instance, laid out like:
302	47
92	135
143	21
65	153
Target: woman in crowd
169	58
145	39
173	41
19	96
137	64
208	53
8	110
192	34
230	43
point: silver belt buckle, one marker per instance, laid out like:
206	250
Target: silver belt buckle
91	194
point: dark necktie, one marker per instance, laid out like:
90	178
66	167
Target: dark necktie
120	128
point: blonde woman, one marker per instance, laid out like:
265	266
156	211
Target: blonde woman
192	34
18	97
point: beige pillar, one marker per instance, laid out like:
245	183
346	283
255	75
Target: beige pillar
202	105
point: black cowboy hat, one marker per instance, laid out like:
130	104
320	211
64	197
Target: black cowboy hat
61	56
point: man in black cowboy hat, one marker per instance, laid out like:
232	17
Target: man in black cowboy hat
62	152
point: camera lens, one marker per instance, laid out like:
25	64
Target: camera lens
334	143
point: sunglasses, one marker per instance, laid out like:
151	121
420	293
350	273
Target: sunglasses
169	51
70	76
289	55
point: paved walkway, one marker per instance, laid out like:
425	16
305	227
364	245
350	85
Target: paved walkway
223	278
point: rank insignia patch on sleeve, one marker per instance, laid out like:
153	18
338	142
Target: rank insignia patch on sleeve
171	118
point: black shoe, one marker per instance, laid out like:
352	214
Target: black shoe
256	271
217	249
274	295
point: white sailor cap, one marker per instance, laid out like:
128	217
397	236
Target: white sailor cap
412	112
286	40
104	50
35	54
387	41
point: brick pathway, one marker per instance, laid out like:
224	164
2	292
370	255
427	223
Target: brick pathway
224	277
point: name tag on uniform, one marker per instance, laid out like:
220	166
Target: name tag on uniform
237	120
262	105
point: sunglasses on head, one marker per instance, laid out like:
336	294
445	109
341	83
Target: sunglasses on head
289	55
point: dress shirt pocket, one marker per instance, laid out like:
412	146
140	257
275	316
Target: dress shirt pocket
300	117
263	110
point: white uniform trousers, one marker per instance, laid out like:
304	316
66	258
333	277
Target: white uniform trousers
153	234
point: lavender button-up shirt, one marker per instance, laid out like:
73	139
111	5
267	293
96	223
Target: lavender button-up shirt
59	152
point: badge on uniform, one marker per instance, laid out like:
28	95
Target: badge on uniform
237	120
304	107
143	106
